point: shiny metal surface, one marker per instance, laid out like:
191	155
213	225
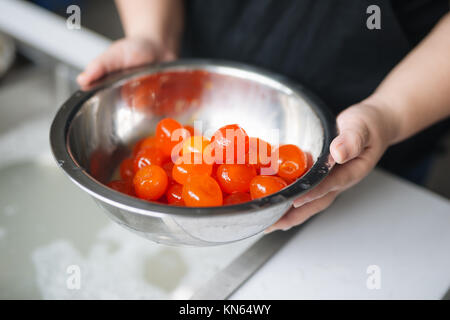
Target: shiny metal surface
234	275
97	125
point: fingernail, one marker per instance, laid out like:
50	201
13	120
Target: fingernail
301	201
81	76
341	152
269	230
298	203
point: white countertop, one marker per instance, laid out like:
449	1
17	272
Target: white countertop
383	221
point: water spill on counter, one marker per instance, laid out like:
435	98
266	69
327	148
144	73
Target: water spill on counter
38	205
165	269
47	224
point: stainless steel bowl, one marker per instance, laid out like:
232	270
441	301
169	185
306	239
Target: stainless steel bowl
93	129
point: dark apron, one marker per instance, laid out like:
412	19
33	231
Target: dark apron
323	44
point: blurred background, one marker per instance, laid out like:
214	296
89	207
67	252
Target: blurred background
39	60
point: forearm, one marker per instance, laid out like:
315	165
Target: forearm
416	93
160	21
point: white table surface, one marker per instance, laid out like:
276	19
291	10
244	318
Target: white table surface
383	221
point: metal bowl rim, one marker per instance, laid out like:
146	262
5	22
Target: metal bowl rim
63	119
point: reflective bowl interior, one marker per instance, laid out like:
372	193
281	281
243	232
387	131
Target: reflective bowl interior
109	122
95	129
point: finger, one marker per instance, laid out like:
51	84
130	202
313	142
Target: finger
95	70
118	56
109	61
339	179
352	139
299	215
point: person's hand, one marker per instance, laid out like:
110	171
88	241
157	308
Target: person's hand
122	54
365	132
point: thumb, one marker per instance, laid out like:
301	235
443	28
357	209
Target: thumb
353	136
